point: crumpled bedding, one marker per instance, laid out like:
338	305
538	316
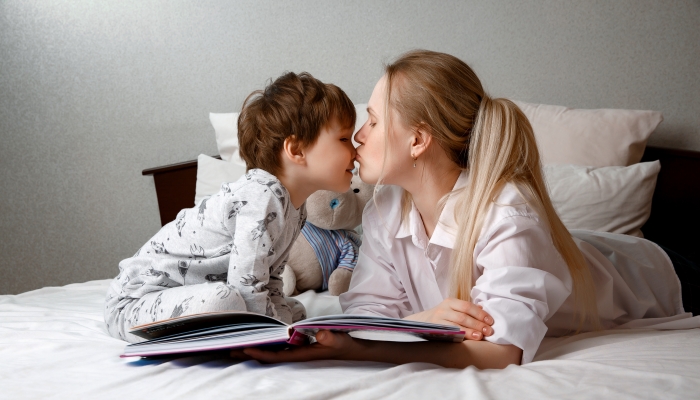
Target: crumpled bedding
53	344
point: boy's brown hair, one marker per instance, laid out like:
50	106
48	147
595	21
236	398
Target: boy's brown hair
297	106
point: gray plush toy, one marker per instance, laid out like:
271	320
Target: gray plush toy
326	250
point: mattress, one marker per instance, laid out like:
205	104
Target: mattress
53	344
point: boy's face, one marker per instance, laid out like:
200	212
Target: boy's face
331	158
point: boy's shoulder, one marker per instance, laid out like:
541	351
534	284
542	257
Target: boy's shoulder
257	185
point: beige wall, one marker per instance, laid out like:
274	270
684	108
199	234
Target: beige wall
91	94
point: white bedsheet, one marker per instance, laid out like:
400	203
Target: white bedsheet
53	344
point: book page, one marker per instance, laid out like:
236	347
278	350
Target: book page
199	322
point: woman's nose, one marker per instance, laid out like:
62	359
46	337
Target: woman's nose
360	135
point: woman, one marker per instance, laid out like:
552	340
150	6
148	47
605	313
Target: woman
464	233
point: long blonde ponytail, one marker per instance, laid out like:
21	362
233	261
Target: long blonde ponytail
494	140
503	149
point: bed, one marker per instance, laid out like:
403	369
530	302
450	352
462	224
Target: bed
53	342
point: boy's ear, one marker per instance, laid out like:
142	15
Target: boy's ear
421	140
292	151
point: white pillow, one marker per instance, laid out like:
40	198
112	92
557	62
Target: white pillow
226	129
606	199
211	173
599	138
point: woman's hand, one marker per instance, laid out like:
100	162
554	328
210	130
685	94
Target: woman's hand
471	318
340	346
328	346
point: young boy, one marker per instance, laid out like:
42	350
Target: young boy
228	252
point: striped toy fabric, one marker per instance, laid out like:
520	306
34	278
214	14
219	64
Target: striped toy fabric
334	248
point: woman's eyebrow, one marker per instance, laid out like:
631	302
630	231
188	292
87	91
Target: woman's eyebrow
369	110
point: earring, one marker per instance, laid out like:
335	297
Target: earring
414	160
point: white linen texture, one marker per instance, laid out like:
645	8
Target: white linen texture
54	345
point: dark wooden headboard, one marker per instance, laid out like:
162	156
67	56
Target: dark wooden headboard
674	220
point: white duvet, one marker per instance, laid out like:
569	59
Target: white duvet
53	344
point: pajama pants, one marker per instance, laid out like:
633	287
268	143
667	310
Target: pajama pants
121	315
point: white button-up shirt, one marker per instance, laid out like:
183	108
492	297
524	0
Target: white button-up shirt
521	280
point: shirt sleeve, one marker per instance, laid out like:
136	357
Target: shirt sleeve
255	217
375	287
523	281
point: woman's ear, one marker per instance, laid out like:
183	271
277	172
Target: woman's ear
420	141
293	152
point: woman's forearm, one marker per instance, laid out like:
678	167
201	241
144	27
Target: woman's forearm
481	354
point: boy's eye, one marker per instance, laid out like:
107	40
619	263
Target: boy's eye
344	139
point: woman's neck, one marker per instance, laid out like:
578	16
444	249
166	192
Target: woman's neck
426	193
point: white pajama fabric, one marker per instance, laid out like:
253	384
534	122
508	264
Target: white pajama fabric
520	278
238	238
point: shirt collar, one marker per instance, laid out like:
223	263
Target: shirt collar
446	229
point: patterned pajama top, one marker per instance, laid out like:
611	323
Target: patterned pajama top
241	235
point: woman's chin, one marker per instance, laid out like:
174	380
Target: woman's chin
366	178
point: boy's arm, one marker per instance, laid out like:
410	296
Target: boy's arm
254	217
274	288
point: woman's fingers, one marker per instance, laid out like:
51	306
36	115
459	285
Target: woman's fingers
332	340
328	346
268	356
467	322
238	354
471	309
471	334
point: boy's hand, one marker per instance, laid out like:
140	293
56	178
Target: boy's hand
471	318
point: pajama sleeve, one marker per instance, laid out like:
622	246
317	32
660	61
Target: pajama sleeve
255	218
523	281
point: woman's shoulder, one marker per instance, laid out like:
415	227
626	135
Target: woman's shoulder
512	205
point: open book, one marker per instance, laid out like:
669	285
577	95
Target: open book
227	330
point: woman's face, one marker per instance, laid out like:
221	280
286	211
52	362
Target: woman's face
373	142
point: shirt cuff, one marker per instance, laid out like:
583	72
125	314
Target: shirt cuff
515	324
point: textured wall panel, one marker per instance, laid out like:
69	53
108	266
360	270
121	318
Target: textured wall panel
92	92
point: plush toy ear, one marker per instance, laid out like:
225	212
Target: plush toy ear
363	192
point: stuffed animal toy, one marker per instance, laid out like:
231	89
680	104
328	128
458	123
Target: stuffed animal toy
325	252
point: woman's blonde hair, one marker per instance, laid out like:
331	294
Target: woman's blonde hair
493	140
